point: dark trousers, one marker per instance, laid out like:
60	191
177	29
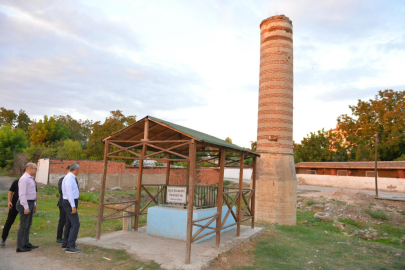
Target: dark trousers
12	214
23	235
62	222
72	225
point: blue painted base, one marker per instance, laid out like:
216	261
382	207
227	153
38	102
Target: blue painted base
172	222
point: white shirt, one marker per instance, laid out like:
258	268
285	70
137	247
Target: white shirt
70	189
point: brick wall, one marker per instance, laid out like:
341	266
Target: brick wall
90	169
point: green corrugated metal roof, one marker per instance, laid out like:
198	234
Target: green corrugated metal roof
202	136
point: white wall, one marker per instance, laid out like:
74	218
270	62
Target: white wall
233	173
43	171
384	184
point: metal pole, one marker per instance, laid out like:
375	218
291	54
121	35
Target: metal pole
375	167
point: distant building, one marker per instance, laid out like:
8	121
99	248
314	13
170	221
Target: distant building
387	169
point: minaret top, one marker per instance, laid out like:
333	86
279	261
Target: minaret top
276	18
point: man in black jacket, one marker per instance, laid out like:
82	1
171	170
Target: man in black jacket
12	212
62	214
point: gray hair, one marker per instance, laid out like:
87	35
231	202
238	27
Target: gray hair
30	166
74	166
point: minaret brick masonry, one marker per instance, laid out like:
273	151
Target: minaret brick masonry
276	190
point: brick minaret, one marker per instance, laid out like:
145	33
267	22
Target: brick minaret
276	182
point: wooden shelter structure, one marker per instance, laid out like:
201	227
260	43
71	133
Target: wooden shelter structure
154	139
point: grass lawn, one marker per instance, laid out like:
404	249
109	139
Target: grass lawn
43	233
312	244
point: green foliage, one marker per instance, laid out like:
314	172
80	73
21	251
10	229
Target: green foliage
47	131
401	158
79	130
377	214
7	117
227	183
88	197
36	152
319	147
70	150
350	222
310	202
385	115
23	121
253	145
12	141
114	123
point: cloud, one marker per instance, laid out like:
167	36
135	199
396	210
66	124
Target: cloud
50	67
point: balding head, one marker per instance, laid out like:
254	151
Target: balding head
31	169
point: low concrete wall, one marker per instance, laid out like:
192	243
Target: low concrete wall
384	184
172	222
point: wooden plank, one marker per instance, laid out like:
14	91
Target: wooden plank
166	150
202	229
254	175
167	177
204	235
205	218
150	195
146	130
190	201
220	195
139	188
169	127
247	205
102	191
230	211
240	195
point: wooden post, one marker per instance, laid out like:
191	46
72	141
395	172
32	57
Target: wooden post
252	205
167	177
190	200
375	164
239	215
140	172
102	191
220	189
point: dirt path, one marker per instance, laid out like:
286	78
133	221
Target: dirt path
5	183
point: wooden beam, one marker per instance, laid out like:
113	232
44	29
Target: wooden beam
220	190
240	195
139	188
254	174
146	130
190	200
167	177
102	191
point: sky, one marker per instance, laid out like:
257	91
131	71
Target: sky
195	63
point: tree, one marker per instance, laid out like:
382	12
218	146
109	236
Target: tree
23	121
386	115
79	130
227	139
253	145
70	150
7	117
314	148
114	123
12	141
47	131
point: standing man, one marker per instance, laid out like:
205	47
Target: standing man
70	191
12	212
26	207
62	214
